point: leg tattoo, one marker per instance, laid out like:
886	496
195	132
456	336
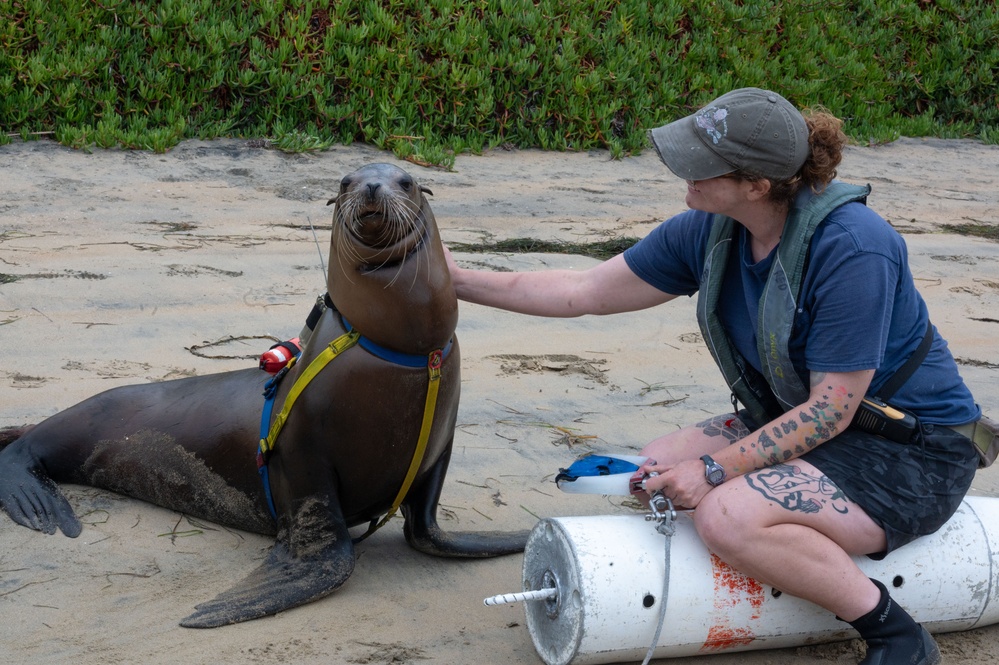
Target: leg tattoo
728	426
796	490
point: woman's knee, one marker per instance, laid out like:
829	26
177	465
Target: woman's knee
704	438
721	521
666	449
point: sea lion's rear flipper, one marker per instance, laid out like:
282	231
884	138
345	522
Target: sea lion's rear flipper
312	558
425	535
30	497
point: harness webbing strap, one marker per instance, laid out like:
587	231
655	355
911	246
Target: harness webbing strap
335	348
434	361
399	358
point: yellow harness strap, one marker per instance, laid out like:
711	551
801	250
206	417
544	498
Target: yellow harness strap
335	348
434	361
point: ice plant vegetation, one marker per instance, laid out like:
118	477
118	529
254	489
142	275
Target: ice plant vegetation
429	79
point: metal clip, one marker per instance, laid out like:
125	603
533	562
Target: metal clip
662	508
663	513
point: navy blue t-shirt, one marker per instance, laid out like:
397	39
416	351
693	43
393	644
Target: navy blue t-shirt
858	309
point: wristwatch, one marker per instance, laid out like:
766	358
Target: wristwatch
713	471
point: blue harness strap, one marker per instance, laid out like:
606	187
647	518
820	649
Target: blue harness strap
396	357
270	390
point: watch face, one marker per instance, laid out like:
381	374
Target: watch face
713	471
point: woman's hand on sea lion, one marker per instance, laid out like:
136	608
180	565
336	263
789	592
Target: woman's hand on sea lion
457	273
452	266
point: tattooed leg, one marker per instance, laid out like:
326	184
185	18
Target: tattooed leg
728	426
794	489
705	438
789	527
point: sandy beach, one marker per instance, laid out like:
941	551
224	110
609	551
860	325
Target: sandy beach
126	267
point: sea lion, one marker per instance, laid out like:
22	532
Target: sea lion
337	459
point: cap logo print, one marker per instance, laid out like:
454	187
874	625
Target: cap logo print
712	121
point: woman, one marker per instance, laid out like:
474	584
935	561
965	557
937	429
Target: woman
808	305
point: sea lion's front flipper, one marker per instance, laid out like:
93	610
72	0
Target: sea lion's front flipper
30	497
425	535
312	558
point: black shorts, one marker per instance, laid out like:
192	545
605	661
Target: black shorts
908	489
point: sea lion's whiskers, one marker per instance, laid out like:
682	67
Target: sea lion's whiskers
400	215
322	261
339	231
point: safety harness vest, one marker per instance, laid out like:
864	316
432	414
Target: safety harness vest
778	388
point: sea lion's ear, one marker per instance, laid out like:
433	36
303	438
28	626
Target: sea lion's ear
332	200
426	190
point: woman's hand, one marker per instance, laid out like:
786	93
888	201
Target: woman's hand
683	483
452	265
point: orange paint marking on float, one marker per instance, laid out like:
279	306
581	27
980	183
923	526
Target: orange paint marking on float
732	589
726	639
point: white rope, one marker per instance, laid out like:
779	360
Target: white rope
666	527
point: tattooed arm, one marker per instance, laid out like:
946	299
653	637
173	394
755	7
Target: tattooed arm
829	409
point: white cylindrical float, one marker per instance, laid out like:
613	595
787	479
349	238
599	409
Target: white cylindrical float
608	574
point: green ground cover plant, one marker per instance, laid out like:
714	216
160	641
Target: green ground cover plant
429	79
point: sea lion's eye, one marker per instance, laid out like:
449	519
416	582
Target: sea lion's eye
406	184
345	183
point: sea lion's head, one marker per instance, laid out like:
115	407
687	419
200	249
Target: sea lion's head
387	272
380	216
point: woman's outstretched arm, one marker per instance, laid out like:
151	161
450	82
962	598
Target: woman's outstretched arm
608	288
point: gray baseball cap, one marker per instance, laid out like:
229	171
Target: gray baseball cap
751	130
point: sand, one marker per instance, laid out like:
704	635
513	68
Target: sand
135	267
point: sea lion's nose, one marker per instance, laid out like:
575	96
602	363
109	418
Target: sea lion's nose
372	188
